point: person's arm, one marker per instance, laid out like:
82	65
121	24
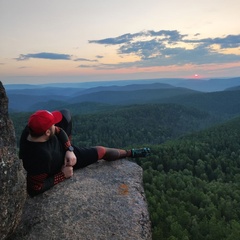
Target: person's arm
42	182
63	137
70	158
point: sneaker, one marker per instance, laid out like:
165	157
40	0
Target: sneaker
142	152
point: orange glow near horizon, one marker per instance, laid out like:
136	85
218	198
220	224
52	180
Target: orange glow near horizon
70	68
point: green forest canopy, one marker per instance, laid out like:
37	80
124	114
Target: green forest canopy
191	181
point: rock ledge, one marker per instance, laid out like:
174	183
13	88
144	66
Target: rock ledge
103	201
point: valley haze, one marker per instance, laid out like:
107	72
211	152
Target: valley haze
205	85
101	95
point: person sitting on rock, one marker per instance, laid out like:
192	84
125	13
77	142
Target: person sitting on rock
48	155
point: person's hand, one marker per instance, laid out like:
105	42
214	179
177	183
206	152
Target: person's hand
70	159
67	171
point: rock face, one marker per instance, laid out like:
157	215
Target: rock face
12	179
102	201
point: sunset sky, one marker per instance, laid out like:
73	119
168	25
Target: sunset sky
72	40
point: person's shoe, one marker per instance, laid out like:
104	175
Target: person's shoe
142	152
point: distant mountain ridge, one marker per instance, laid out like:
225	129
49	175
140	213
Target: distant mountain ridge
211	85
46	96
29	102
71	91
205	85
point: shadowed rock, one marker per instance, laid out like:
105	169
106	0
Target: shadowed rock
12	179
102	201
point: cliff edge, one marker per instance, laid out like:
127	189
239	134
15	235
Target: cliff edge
102	201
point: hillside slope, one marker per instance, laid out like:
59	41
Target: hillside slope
225	103
192	185
138	124
131	125
32	99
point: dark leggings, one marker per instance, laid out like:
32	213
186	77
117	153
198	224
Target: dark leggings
66	123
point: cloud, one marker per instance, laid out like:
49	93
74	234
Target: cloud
170	47
44	55
84	60
114	41
171	35
88	66
23	67
230	41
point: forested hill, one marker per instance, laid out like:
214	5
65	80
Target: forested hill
139	124
192	185
24	100
223	103
131	125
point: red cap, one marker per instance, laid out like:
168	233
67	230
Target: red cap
42	120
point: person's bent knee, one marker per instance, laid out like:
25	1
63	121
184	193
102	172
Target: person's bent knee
101	152
67	115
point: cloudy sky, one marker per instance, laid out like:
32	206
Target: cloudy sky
92	40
